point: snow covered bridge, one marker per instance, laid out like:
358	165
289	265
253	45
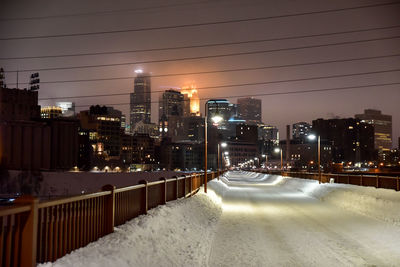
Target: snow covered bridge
249	219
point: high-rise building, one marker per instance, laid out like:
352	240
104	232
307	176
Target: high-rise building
382	128
171	112
301	130
249	109
171	104
351	139
140	104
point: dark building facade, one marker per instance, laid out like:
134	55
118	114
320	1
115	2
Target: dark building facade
249	109
171	112
241	151
247	133
18	105
301	130
304	154
104	124
29	143
351	140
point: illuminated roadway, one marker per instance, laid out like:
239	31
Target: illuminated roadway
267	223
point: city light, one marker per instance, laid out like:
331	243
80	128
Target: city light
217	119
312	137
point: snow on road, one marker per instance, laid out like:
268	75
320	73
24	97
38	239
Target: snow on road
271	221
258	220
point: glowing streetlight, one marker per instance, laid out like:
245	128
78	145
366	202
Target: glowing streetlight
219	118
313	137
216	119
277	150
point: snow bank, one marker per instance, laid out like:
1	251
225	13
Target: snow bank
176	234
381	204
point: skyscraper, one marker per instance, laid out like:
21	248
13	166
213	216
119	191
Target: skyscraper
171	104
250	109
140	104
382	128
171	113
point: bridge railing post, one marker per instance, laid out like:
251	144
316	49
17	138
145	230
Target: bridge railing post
29	231
109	210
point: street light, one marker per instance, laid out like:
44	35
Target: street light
220	145
313	137
277	150
216	119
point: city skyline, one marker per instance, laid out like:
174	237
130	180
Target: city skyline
279	110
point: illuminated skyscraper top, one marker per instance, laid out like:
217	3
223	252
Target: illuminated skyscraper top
140	104
194	100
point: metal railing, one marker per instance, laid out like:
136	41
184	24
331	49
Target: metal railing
378	181
34	232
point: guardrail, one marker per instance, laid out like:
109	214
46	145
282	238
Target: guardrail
378	181
33	232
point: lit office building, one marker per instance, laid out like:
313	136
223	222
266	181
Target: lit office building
140	100
301	130
382	128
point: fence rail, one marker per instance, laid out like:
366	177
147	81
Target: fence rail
33	232
378	181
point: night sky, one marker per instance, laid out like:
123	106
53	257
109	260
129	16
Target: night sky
100	15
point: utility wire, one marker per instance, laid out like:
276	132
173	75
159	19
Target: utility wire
204	57
107	12
218	71
236	85
196	24
276	93
199	46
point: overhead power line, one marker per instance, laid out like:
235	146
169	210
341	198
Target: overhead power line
200	46
107	12
236	85
203	57
345	88
197	24
219	71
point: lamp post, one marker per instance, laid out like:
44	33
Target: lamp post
216	119
223	145
277	150
313	137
